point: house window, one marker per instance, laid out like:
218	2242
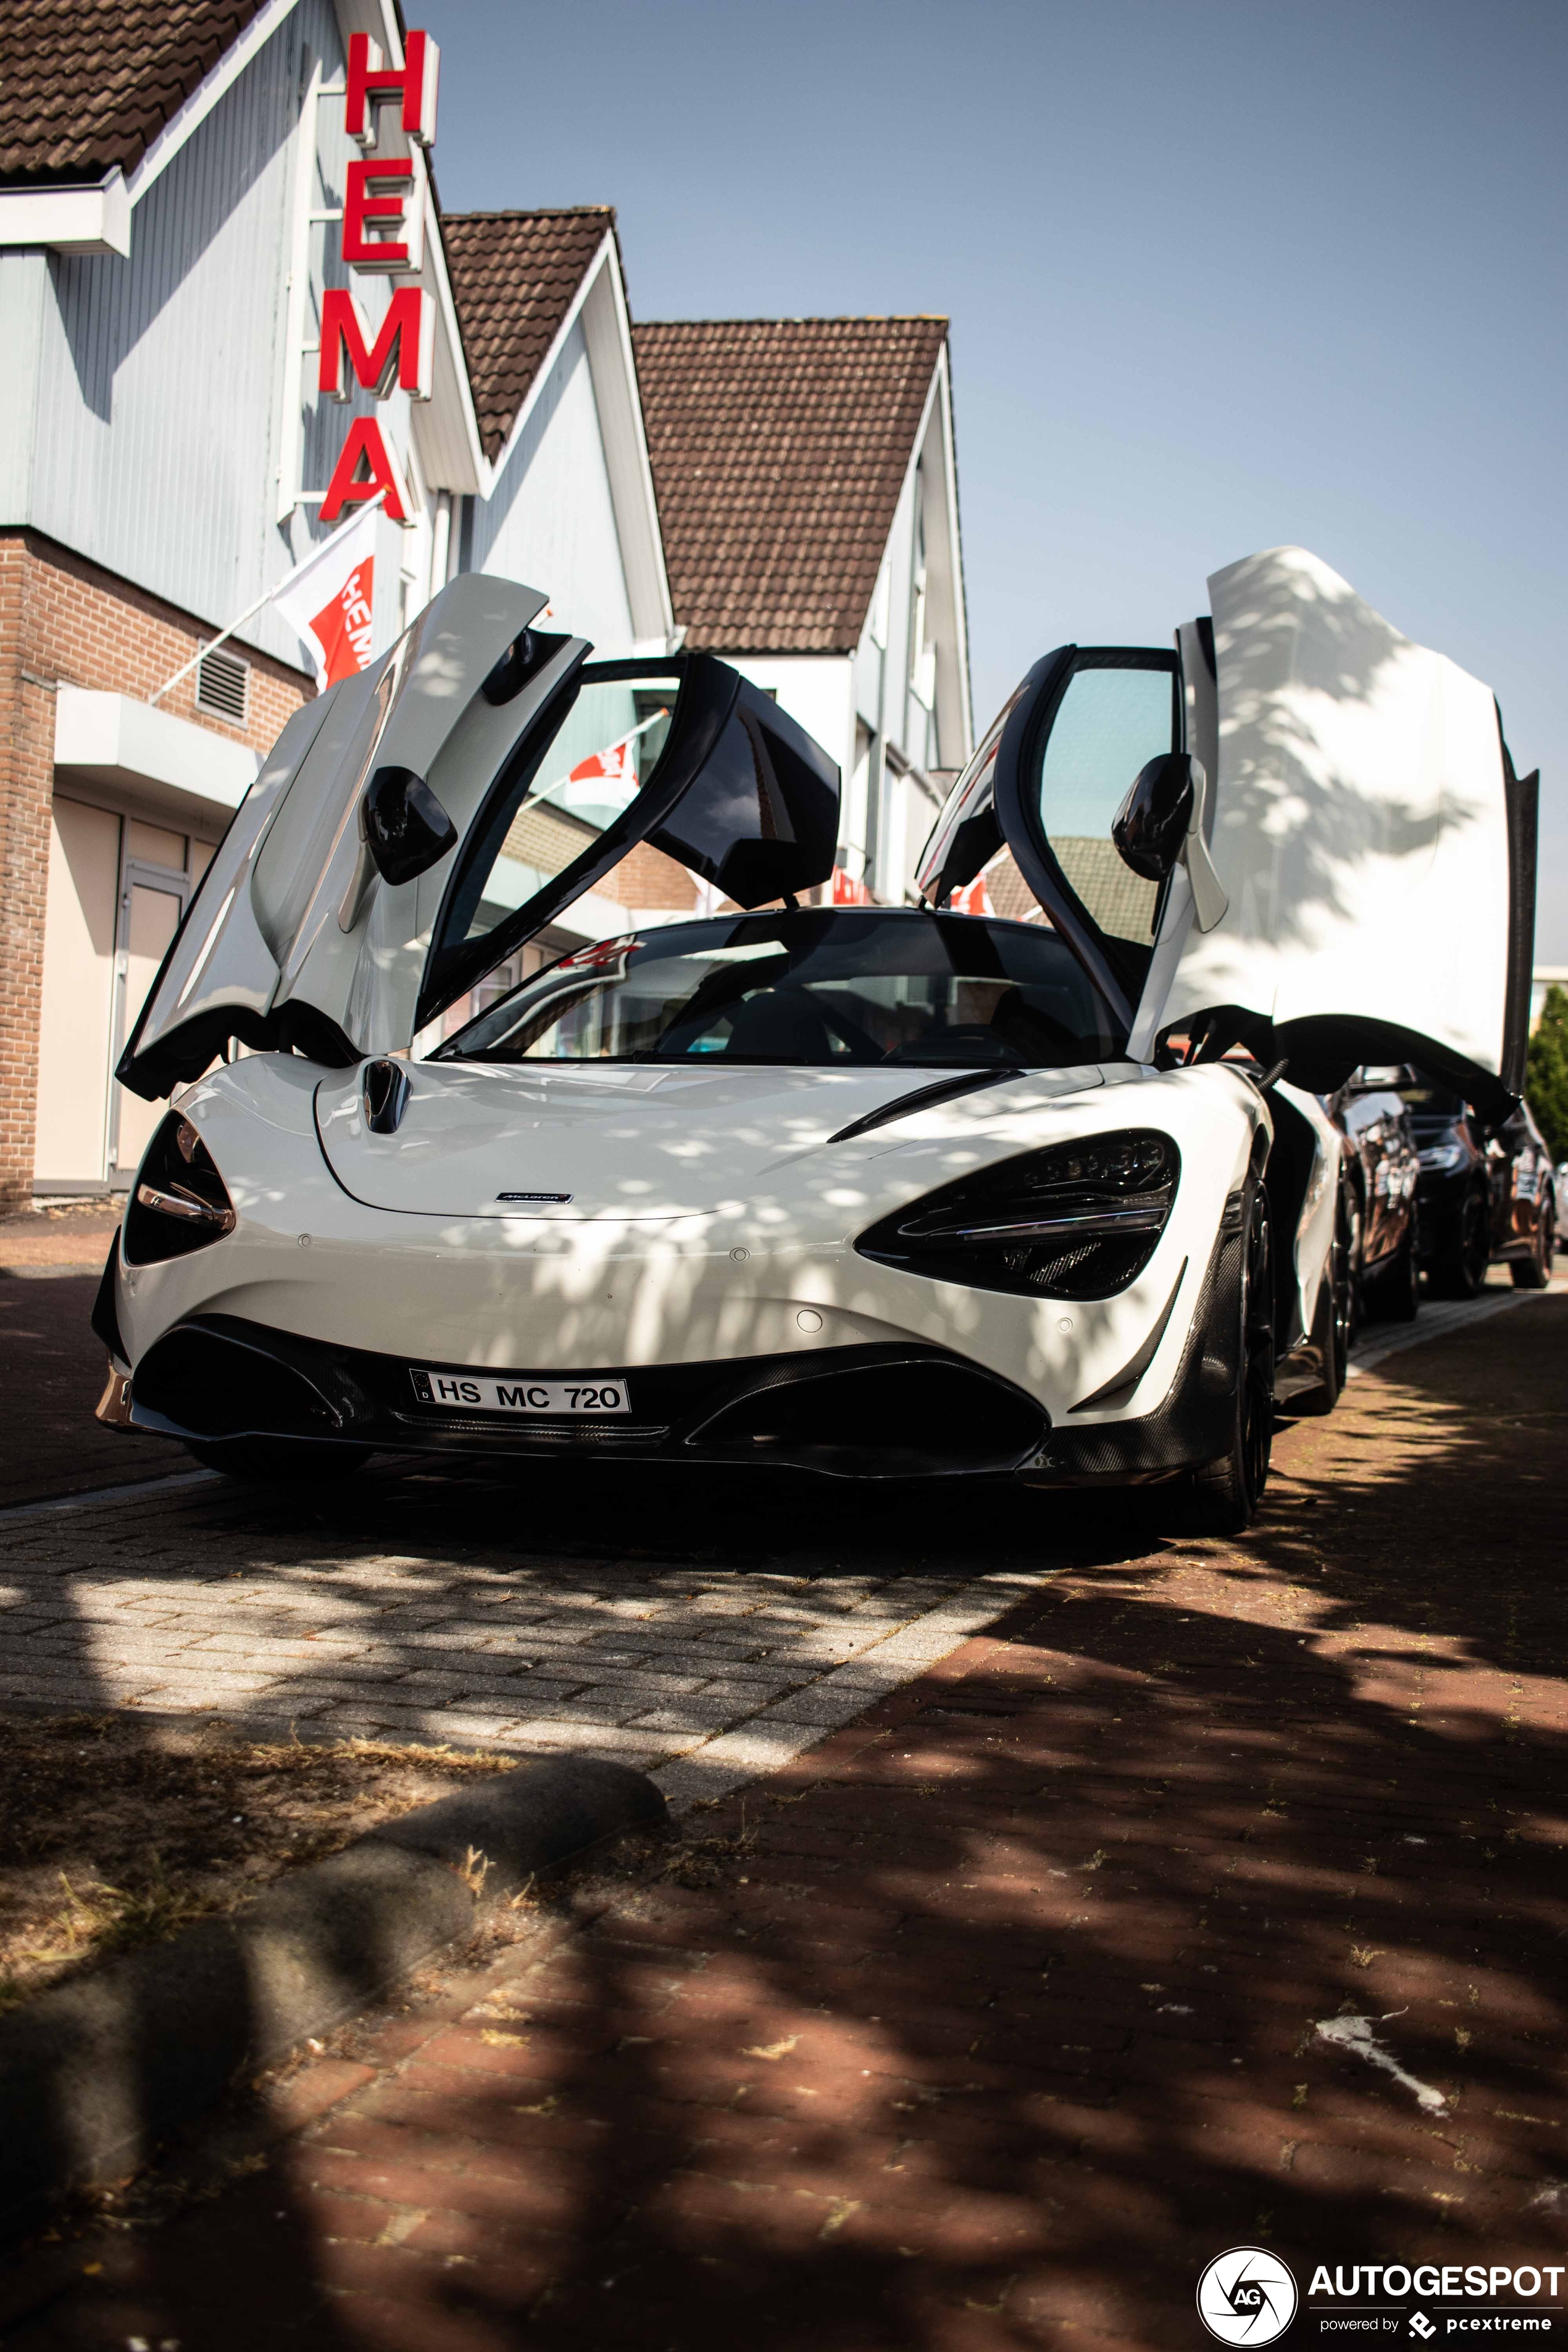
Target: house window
223	685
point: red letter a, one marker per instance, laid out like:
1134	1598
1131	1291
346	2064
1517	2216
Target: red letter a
349	488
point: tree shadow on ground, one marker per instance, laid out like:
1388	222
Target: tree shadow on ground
992	2020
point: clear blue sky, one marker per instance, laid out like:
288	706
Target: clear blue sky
1220	275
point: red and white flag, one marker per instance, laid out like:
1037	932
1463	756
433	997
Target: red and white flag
615	765
974	898
330	599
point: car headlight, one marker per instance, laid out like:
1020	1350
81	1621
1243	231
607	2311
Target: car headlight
179	1203
1444	1157
1075	1221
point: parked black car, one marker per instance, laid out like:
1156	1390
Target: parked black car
1483	1197
1381	1167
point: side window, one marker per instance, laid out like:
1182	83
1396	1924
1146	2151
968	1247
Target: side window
1119	711
591	769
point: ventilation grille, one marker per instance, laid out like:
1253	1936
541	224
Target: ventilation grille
223	684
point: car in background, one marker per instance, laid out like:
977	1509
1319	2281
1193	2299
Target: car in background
963	1188
1486	1196
1378	1188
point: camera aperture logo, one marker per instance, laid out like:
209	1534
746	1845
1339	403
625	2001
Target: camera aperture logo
1247	2297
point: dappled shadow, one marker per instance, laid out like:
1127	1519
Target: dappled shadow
995	2020
1350	767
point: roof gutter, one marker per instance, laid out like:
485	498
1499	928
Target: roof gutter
95	216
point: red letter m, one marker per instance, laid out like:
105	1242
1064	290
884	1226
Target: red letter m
399	359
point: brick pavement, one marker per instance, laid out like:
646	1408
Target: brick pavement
994	2017
54	1370
537	1614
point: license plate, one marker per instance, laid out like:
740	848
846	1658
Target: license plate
505	1392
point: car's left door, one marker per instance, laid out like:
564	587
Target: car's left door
415	826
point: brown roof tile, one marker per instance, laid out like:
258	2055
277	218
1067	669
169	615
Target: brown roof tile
779	447
513	277
89	84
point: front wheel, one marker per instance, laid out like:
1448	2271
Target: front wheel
277	1461
1461	1269
1224	1494
1534	1272
1399	1290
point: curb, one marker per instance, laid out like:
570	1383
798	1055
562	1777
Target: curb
93	2075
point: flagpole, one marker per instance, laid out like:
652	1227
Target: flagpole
251	611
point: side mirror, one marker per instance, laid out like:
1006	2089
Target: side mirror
1152	823
406	830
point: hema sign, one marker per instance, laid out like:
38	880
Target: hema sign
382	235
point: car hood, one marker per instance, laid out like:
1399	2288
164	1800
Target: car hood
613	1141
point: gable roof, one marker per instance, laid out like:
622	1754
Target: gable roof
779	447
514	277
87	85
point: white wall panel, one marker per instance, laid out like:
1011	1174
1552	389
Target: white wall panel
551	522
157	413
815	689
25	303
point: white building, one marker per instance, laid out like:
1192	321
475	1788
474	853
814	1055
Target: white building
808	490
178	191
171	218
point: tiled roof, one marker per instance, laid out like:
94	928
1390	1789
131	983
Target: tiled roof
513	277
779	447
89	84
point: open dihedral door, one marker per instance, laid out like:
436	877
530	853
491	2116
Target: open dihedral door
1375	849
1355	876
418	824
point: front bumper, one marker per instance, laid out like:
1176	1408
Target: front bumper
887	1411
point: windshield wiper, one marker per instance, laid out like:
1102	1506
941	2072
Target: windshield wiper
943	1091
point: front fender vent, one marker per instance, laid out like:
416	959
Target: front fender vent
180	1201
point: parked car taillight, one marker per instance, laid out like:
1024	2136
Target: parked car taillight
1075	1221
179	1203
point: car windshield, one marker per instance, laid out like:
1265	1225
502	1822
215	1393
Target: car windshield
818	987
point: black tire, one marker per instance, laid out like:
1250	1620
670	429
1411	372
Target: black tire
1346	1270
1461	1268
1333	1320
1398	1289
1223	1495
278	1461
1534	1272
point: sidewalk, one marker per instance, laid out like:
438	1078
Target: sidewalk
993	2019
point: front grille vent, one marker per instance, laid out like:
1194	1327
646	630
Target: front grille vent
223	684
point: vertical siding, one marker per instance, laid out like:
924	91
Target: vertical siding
160	373
551	522
24	306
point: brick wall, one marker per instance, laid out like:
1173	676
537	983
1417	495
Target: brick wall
64	621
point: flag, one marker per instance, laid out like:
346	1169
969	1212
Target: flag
618	765
974	898
330	597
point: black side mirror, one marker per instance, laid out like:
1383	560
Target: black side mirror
405	827
1151	825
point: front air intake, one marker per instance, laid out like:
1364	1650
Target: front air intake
1076	1221
179	1202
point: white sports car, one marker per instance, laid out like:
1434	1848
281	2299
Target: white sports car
1030	1179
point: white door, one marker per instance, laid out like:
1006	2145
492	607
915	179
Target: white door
76	1033
151	901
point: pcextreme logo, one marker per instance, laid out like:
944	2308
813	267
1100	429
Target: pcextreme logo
1247	2297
